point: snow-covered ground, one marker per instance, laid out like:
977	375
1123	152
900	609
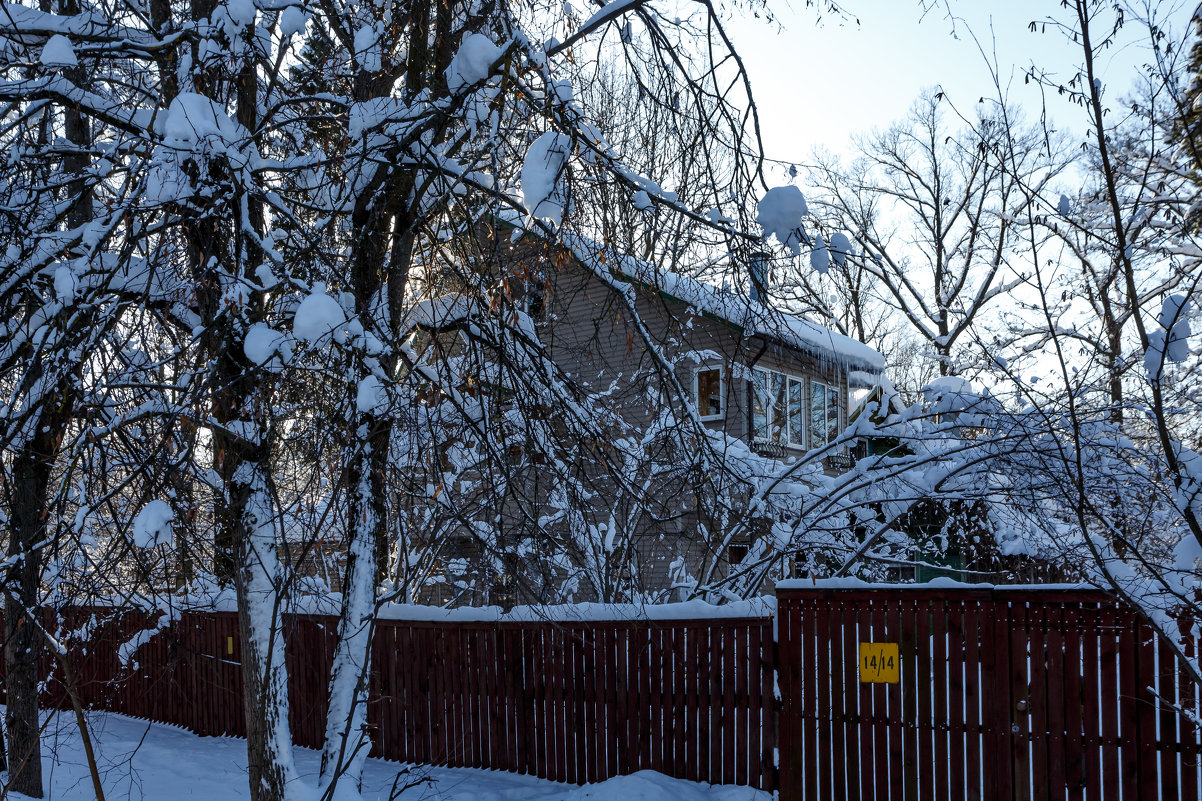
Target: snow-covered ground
153	761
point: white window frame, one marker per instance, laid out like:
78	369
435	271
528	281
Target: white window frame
697	371
788	378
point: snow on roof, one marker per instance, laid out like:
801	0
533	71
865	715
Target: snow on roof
753	317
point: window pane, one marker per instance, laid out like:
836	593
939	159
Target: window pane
759	404
779	405
709	392
832	413
818	431
797	412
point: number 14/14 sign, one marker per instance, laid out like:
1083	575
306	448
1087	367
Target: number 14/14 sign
879	663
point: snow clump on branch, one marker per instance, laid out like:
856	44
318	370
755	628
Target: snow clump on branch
267	347
779	214
544	163
58	52
820	257
317	317
152	526
1172	342
840	247
473	61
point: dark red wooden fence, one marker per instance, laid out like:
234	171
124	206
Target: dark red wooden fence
1003	694
574	702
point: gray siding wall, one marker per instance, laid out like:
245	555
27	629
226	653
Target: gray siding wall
591	336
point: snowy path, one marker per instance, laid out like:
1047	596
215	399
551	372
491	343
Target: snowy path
141	760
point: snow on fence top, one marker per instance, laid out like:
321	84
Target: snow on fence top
560	613
584	612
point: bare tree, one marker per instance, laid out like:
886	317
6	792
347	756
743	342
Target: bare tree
934	212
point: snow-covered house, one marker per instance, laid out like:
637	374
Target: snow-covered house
775	384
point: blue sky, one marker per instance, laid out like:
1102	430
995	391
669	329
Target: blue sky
817	85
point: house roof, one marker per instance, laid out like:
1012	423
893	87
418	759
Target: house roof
750	316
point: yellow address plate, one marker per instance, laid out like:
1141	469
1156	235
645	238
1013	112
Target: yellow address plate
880	663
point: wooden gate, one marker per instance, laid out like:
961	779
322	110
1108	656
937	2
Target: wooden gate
1001	694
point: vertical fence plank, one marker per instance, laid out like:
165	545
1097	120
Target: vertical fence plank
1055	757
824	726
644	711
924	669
406	701
1091	661
581	642
729	728
865	712
740	712
1025	669
881	713
602	677
962	638
604	690
1000	750
454	668
515	708
694	650
628	699
1108	671
808	677
897	772
769	709
1039	700
536	723
1169	739
557	710
678	720
755	704
654	683
1074	751
849	662
911	656
940	728
705	700
1191	765
474	698
1137	712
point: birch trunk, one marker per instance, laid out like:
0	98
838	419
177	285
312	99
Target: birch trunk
346	740
259	585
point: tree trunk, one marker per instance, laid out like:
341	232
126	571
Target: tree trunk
22	642
346	742
259	587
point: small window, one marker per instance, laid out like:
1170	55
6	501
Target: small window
824	413
736	553
708	386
